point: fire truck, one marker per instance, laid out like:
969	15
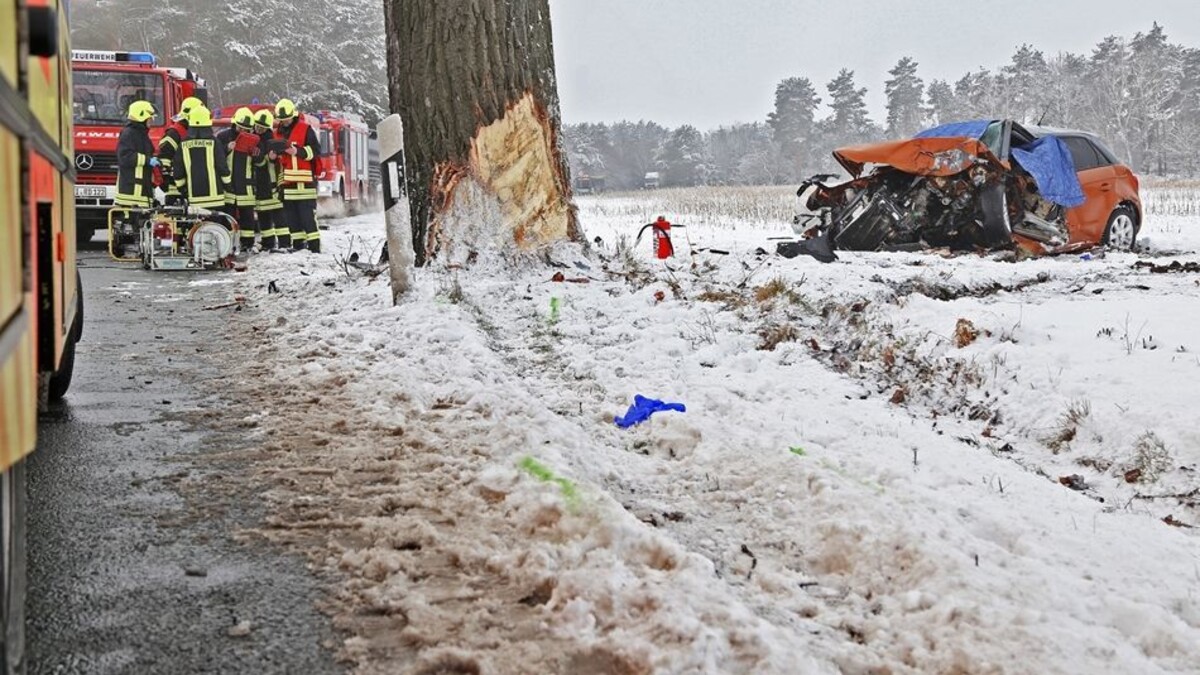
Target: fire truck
345	149
41	302
105	84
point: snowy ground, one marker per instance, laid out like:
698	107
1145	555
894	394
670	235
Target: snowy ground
849	490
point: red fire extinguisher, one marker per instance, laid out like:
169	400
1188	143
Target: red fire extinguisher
663	248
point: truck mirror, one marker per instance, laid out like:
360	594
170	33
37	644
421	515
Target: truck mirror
202	94
43	32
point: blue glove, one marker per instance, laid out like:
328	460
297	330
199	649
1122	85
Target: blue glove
154	161
643	408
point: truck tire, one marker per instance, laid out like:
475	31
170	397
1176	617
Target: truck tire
60	381
12	569
84	233
77	329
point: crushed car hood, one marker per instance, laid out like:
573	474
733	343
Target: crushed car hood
918	156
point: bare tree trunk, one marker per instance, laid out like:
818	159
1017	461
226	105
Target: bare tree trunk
473	81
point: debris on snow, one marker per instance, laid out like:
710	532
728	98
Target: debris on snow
643	408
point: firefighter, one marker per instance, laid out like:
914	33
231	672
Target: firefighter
268	207
299	185
168	147
201	171
240	197
135	158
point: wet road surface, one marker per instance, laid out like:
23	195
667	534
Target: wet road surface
132	563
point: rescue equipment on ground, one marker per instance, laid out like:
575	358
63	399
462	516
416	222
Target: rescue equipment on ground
173	238
663	248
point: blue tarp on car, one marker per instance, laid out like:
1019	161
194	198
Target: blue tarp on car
972	129
1047	159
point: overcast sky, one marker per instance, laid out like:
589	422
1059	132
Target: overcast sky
714	62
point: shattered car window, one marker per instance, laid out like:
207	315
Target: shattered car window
993	138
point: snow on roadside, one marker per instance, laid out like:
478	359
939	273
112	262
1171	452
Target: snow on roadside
795	519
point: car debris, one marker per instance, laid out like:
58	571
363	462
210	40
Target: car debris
971	186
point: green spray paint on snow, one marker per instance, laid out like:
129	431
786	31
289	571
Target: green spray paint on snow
543	473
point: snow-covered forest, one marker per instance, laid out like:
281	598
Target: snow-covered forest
323	54
1140	93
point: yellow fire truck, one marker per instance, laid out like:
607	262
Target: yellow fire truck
41	301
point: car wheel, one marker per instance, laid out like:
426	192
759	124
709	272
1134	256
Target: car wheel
997	228
1121	231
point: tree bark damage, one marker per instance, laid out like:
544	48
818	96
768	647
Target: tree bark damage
474	83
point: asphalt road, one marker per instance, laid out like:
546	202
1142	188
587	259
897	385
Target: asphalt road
132	563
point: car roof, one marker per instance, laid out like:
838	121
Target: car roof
1041	131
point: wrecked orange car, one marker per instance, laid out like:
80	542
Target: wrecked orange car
986	184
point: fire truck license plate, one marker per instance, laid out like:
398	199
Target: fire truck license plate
98	192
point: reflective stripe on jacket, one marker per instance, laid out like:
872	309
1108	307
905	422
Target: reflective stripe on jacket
135	177
266	176
241	171
201	172
168	149
296	171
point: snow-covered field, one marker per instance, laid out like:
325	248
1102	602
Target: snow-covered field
862	482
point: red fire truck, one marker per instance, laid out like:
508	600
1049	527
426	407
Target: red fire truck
345	146
105	84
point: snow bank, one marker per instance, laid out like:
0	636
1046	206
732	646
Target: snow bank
801	516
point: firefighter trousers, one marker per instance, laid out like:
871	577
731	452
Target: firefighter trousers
300	217
273	235
247	223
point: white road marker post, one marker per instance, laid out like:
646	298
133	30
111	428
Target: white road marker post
395	206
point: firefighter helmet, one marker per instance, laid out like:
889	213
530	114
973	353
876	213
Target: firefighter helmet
200	116
285	110
141	111
186	107
243	118
264	118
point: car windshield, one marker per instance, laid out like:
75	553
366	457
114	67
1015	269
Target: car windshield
103	96
992	137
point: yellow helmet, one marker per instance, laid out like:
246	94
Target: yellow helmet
264	118
186	107
200	116
243	118
285	110
141	111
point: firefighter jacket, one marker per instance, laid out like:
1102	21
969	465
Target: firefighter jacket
241	171
135	177
201	172
266	176
296	171
168	149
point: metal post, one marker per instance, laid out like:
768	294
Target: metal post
395	205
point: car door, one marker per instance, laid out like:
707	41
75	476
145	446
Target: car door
1086	223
